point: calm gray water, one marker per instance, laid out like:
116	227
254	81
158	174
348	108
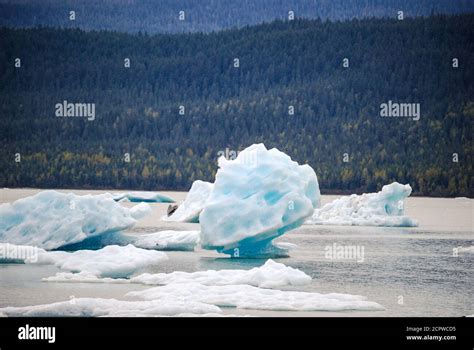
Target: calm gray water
410	271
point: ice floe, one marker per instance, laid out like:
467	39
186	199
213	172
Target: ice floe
269	275
257	197
52	219
250	297
384	208
194	293
150	197
189	210
98	307
166	240
111	261
465	250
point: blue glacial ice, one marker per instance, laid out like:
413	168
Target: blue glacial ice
257	197
384	208
52	219
162	240
142	196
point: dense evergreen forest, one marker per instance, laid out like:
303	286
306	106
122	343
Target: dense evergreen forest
336	126
159	16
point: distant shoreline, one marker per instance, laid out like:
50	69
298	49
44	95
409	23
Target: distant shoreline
323	192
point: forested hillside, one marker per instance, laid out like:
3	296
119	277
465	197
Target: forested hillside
158	16
227	108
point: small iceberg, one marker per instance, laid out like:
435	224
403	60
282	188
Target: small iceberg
196	199
250	297
112	261
142	196
166	240
52	219
269	275
257	197
384	208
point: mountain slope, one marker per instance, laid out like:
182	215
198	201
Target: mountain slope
282	64
205	15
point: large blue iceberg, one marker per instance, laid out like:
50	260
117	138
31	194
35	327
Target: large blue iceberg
257	197
52	219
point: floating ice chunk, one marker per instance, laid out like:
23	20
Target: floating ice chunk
466	250
250	297
83	277
140	211
52	219
189	210
150	197
98	307
384	208
270	275
166	240
257	197
111	261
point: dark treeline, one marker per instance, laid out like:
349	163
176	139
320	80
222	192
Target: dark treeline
282	64
158	16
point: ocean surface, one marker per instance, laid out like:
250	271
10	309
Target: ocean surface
410	271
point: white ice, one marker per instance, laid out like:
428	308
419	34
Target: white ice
384	208
52	219
142	196
98	307
257	197
250	297
166	240
196	199
466	250
269	275
111	261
